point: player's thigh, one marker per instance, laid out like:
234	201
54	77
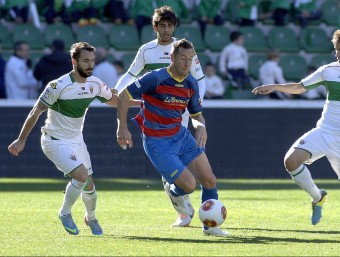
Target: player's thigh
66	156
333	152
165	158
201	168
308	148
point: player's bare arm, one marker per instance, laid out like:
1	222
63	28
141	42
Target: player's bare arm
201	135
113	102
291	88
123	134
18	145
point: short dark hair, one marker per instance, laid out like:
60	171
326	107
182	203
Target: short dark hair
184	43
76	49
235	35
17	45
164	13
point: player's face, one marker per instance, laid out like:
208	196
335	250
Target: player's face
165	31
182	61
85	63
337	52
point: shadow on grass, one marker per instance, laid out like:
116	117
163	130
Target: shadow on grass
109	184
234	240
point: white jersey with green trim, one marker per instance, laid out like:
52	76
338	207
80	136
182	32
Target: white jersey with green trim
68	102
329	76
152	56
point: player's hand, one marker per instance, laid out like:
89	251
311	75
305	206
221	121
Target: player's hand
201	136
16	147
263	90
124	138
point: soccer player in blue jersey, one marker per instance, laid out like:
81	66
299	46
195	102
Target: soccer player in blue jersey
154	55
175	153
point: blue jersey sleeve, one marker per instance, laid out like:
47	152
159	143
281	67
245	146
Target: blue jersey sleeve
195	102
147	83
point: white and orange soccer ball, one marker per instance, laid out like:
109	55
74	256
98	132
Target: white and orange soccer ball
212	213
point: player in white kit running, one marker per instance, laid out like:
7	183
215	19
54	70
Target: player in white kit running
324	139
66	101
153	55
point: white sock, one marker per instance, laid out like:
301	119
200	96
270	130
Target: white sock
73	190
303	178
90	200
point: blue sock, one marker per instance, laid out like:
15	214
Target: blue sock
176	191
208	194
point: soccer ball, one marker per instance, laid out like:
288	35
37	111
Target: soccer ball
212	213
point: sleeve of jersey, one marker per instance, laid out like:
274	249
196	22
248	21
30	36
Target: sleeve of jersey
196	69
195	102
134	70
50	94
105	93
313	80
142	85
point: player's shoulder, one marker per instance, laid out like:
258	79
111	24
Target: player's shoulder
149	45
61	82
94	79
333	66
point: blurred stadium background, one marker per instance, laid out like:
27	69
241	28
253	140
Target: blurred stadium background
247	137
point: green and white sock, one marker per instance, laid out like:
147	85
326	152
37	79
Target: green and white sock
303	178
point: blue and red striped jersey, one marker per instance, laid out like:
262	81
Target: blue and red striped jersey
164	99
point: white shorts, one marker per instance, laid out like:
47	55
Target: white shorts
66	156
320	144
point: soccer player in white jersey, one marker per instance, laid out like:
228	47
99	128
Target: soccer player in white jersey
153	55
66	101
324	139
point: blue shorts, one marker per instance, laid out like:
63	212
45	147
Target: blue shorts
171	155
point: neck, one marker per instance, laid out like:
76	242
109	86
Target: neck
175	74
78	78
160	42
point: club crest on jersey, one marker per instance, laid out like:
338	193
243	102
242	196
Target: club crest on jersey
53	85
197	61
91	89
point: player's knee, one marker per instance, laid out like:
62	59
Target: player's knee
291	163
209	182
89	185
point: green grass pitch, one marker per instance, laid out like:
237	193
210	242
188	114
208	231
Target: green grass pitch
265	217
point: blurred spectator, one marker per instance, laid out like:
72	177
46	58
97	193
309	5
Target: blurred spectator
2	74
280	10
54	11
141	11
271	73
316	93
19	80
214	85
116	10
81	12
233	62
178	6
17	10
305	11
104	69
209	13
247	12
53	65
119	65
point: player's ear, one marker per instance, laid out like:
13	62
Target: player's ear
74	61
